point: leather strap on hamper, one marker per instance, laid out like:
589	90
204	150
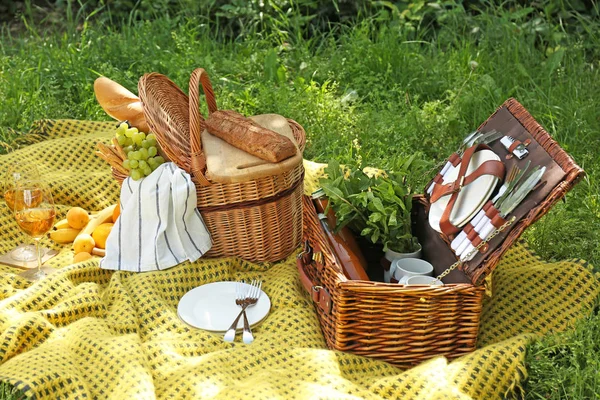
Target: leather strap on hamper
454	160
491	167
318	293
514	145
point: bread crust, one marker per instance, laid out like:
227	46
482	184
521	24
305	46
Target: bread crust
120	103
247	135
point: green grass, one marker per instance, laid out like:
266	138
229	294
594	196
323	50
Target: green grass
8	392
392	88
566	365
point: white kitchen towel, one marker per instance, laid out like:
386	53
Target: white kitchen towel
159	226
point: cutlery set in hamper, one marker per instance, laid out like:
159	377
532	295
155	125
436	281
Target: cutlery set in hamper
504	177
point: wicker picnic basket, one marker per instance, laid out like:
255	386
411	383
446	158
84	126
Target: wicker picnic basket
406	325
258	220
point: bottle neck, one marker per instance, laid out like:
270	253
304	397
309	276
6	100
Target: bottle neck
317	194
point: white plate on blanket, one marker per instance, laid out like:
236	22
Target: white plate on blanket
471	198
212	307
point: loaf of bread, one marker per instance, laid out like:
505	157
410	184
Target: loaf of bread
120	103
247	135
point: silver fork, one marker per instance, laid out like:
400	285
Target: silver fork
247	296
252	299
245	292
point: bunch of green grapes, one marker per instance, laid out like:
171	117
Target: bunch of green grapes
141	150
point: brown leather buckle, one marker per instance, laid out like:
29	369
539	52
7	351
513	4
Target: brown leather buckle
323	299
514	145
457	185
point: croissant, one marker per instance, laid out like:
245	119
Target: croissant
120	103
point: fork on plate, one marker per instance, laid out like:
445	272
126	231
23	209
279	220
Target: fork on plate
246	296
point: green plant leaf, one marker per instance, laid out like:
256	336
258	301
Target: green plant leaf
281	74
378	205
375	236
393	221
519	14
332	190
271	65
361	198
406	165
553	62
375	217
364	182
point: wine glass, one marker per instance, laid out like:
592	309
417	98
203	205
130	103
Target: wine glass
34	212
22	170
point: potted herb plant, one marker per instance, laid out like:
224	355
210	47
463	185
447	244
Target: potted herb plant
376	205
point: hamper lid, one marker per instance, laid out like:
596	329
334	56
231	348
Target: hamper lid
561	174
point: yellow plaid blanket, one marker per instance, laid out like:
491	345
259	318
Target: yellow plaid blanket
86	332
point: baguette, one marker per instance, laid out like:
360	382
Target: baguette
247	135
120	103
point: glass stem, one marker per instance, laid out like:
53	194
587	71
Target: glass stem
39	255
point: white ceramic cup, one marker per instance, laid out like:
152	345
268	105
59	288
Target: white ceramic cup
406	267
390	256
421	280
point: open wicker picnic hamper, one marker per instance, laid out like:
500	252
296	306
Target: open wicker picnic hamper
405	325
258	219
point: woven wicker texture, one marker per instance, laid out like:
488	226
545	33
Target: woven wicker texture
92	333
443	320
259	219
403	325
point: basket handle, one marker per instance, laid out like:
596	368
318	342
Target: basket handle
198	159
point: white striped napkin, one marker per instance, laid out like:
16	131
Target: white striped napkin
159	226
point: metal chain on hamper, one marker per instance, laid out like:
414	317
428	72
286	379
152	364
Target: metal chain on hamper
476	249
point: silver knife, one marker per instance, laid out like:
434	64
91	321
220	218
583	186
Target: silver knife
523	190
468	139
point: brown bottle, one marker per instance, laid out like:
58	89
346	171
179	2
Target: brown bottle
343	242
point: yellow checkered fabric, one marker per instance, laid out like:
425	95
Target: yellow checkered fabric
85	332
